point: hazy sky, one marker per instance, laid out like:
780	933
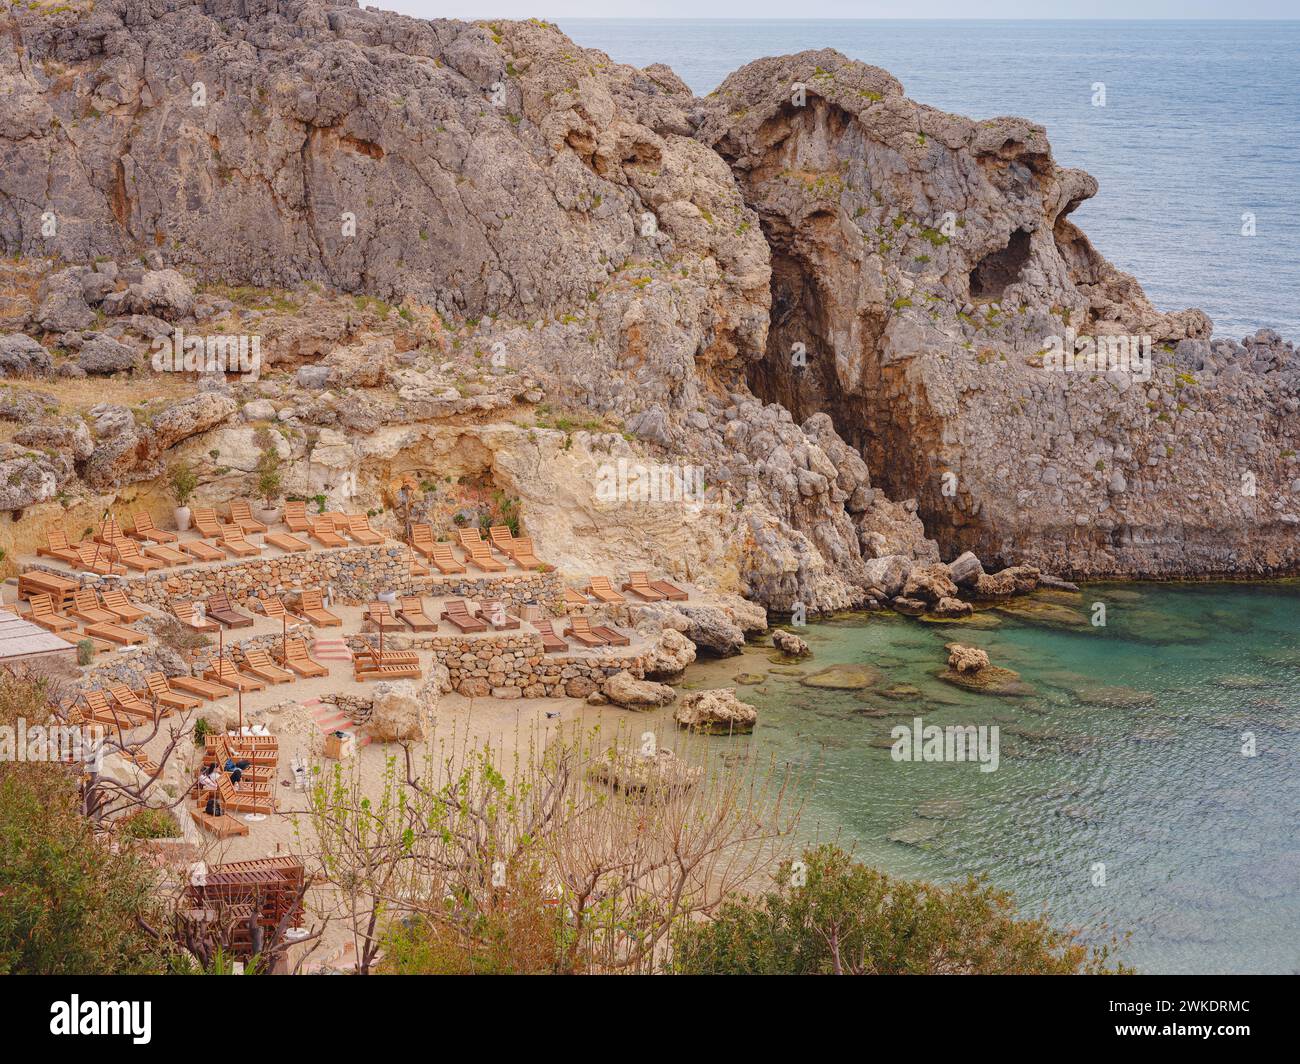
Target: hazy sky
805	9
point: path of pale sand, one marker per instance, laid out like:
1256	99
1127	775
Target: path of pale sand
512	728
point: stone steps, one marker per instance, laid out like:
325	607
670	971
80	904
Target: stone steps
330	649
329	718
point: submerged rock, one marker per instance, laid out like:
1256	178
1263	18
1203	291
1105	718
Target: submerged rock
844	677
716	712
790	645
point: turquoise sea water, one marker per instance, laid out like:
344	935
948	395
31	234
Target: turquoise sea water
1201	124
1127	753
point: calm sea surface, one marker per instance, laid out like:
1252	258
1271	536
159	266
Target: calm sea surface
1201	125
1126	750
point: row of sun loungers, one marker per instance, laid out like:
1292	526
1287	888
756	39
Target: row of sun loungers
145	547
478	551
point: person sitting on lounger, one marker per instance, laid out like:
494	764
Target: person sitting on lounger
208	781
235	769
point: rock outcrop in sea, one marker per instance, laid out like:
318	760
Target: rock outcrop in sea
812	319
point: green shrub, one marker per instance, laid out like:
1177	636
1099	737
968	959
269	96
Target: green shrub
151	824
202	729
85	651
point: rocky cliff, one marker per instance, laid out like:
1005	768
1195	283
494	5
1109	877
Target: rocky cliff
479	252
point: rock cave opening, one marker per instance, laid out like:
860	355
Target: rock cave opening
999	269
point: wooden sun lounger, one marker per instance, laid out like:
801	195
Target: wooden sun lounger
311	606
273	607
411	610
145	529
444	561
114	633
495	614
524	555
141	760
258	662
100	710
580	629
233	542
128	701
503	539
126	611
243	800
165	554
602	589
389	657
241	514
422	541
296	659
187	614
44	614
359	529
639	585
206	523
58	547
612	636
59	588
551	643
670	591
85	607
458	613
223	827
262	759
380	614
287	542
366	670
295	516
128	553
108	531
478	553
221	610
164	695
98	559
322	531
201	550
195	685
574	598
224	672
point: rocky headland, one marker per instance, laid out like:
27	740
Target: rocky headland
487	267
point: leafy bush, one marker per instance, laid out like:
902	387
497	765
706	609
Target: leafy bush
151	824
202	729
85	651
833	916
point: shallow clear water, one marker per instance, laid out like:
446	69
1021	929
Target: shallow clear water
1128	752
1200	125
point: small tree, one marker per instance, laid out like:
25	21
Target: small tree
184	481
830	915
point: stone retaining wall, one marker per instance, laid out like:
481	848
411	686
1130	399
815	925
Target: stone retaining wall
357	575
513	665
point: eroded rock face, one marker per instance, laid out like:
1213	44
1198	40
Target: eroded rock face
400	711
925	261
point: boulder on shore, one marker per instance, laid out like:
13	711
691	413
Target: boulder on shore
624	689
657	775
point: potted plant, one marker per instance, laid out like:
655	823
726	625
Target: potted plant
269	483
183	482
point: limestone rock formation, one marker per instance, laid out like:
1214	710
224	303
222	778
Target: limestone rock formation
624	689
654	777
791	645
924	262
400	711
716	712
